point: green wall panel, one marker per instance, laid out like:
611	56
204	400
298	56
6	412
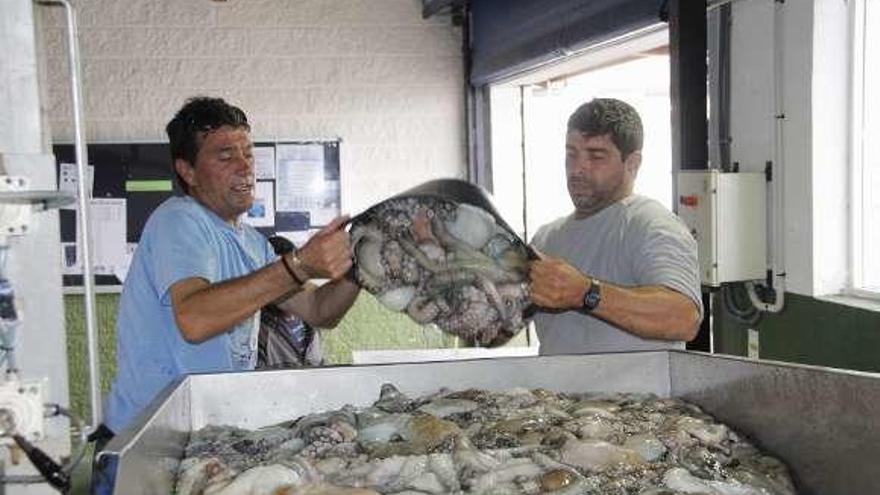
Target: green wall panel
809	331
77	362
366	326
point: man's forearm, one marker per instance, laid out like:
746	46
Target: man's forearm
651	312
333	301
203	310
323	306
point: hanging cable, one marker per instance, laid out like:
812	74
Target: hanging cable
77	425
748	315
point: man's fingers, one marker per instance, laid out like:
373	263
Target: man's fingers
328	255
539	254
334	225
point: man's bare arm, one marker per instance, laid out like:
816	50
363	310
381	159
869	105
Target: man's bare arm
652	312
323	306
202	309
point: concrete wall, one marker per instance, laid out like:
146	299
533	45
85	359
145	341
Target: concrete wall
371	72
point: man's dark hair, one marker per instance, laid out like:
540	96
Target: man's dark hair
609	116
199	116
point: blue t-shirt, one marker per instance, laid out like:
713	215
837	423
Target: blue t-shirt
181	239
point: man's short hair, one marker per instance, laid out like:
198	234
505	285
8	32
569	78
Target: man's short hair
610	116
199	116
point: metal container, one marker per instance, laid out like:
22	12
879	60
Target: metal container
824	423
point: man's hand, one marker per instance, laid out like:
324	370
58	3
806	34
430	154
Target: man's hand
555	284
328	253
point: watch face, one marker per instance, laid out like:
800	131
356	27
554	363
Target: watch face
592	297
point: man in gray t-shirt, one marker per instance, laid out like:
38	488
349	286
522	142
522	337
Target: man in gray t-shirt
620	273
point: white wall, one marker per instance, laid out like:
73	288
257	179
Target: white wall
372	72
814	95
830	93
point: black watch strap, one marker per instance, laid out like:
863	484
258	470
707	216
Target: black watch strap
592	297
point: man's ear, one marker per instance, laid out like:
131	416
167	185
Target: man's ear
186	171
633	161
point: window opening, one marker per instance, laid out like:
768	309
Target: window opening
529	119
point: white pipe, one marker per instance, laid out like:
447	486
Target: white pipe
777	218
85	231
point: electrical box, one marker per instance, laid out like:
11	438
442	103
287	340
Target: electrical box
22	410
727	215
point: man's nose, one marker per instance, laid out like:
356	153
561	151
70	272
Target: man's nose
580	166
244	164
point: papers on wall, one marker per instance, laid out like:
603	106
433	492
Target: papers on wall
108	229
68	181
300	177
121	271
70	259
264	162
108	226
262	212
305	196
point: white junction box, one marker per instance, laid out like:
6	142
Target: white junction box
22	410
727	215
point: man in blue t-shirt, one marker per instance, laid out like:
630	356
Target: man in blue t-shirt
200	275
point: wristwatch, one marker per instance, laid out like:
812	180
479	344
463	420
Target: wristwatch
592	297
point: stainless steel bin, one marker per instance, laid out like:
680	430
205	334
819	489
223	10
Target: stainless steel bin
824	423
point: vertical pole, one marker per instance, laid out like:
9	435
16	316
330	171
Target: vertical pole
690	150
85	232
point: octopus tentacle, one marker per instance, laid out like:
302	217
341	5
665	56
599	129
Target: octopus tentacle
417	254
494	297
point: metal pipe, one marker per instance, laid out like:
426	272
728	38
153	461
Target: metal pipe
778	163
777	185
85	231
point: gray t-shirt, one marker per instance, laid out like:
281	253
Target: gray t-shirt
633	242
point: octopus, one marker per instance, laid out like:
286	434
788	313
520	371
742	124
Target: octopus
517	441
444	263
